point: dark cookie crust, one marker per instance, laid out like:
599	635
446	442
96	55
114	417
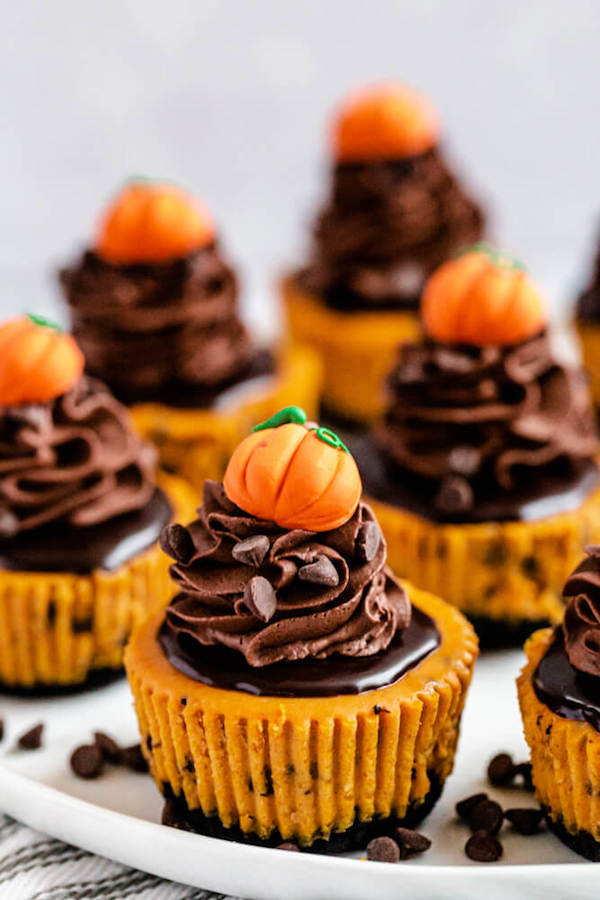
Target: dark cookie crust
581	842
98	678
354	838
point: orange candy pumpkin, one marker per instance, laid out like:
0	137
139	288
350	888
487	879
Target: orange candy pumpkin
294	476
151	222
38	361
482	297
387	121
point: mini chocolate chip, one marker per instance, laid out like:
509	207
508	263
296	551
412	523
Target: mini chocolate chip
108	747
176	542
288	845
322	571
87	761
368	540
525	821
252	551
524	770
260	598
133	758
411	842
465	807
455	495
383	849
487	816
172	818
483	847
1	729
501	770
464	460
9	523
32	739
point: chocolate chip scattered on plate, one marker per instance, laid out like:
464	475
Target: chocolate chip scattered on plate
108	747
87	761
486	816
483	847
383	849
501	770
411	842
526	820
465	807
288	845
32	739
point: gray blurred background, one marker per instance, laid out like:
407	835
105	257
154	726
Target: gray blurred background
232	99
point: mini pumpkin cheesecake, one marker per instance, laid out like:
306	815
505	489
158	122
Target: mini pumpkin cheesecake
587	323
482	473
559	694
395	212
294	689
80	516
153	305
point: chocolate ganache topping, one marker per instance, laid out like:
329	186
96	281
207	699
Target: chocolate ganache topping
281	595
73	460
164	332
567	678
386	226
470	424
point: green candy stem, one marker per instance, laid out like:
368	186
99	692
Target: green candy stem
330	437
296	415
286	416
43	322
496	256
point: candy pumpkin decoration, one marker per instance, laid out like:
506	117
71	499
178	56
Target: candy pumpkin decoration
295	475
387	121
482	297
37	361
152	223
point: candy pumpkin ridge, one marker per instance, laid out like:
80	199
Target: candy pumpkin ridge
334	475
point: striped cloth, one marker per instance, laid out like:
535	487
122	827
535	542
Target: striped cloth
36	867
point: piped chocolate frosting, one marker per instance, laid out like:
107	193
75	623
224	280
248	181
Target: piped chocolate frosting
476	429
567	679
281	595
164	333
77	489
386	226
74	459
581	625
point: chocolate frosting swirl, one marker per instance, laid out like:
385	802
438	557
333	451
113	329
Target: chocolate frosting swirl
386	227
73	460
278	595
176	325
581	626
470	421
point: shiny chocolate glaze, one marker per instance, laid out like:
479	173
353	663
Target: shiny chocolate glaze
61	547
563	689
220	667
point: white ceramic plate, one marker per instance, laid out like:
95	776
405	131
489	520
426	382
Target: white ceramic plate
117	814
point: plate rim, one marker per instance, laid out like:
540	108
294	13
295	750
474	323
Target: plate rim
59	814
